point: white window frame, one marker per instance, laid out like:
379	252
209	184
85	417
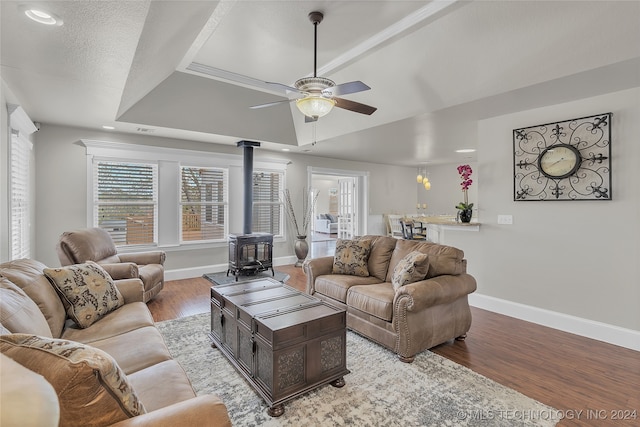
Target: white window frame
169	161
20	201
20	182
280	203
224	204
154	202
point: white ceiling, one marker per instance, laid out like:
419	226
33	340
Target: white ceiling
192	69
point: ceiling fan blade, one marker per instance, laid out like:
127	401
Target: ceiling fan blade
354	106
285	87
346	88
270	104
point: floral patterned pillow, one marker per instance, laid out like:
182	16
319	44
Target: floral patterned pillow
351	257
87	291
91	387
412	268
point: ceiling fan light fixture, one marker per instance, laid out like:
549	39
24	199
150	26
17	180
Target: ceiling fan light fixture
315	106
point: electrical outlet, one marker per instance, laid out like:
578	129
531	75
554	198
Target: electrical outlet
505	219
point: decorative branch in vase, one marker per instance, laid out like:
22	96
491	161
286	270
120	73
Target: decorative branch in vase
465	209
301	246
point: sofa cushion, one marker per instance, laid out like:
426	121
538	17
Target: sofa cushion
26	398
127	318
135	350
381	249
145	382
376	300
442	259
351	257
412	268
87	290
19	313
336	285
4	331
28	275
91	388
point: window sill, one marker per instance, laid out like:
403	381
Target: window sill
185	246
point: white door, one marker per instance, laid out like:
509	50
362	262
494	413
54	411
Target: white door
347	214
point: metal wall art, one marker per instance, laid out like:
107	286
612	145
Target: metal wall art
568	160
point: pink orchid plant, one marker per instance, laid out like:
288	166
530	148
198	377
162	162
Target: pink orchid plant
465	173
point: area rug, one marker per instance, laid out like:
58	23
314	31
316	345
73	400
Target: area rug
221	278
379	391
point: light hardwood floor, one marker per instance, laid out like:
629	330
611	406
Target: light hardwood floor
565	371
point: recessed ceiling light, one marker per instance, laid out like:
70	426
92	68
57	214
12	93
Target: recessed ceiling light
108	127
42	16
286	149
466	150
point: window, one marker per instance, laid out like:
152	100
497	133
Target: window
203	203
267	206
20	195
174	198
126	201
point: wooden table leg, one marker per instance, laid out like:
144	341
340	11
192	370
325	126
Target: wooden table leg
276	411
338	383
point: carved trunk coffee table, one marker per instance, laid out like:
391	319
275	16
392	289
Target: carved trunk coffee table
284	342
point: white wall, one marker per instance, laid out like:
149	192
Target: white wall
323	184
577	258
61	188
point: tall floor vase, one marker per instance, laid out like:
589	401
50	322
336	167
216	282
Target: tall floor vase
301	248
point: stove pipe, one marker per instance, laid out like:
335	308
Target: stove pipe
247	172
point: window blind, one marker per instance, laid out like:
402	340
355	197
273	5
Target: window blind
20	182
203	203
126	201
267	207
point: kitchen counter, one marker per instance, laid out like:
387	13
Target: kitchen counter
436	226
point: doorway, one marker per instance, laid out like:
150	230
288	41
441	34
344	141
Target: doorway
340	211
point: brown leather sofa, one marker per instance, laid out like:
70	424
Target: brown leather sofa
413	318
95	244
30	305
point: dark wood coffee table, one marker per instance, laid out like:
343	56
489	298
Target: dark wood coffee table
284	342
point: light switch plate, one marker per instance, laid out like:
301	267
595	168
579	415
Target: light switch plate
505	219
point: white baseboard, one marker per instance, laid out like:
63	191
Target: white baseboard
611	334
188	273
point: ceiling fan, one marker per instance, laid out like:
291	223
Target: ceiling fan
318	95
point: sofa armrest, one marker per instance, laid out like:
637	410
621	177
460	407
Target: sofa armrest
207	410
437	290
131	289
316	267
144	258
121	270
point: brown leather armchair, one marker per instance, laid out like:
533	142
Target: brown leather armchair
95	244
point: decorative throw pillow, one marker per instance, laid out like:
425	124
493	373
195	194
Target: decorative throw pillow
412	268
87	291
91	387
351	257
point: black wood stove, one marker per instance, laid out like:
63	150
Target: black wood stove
249	253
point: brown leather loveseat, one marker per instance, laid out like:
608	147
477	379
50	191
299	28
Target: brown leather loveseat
95	244
416	316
